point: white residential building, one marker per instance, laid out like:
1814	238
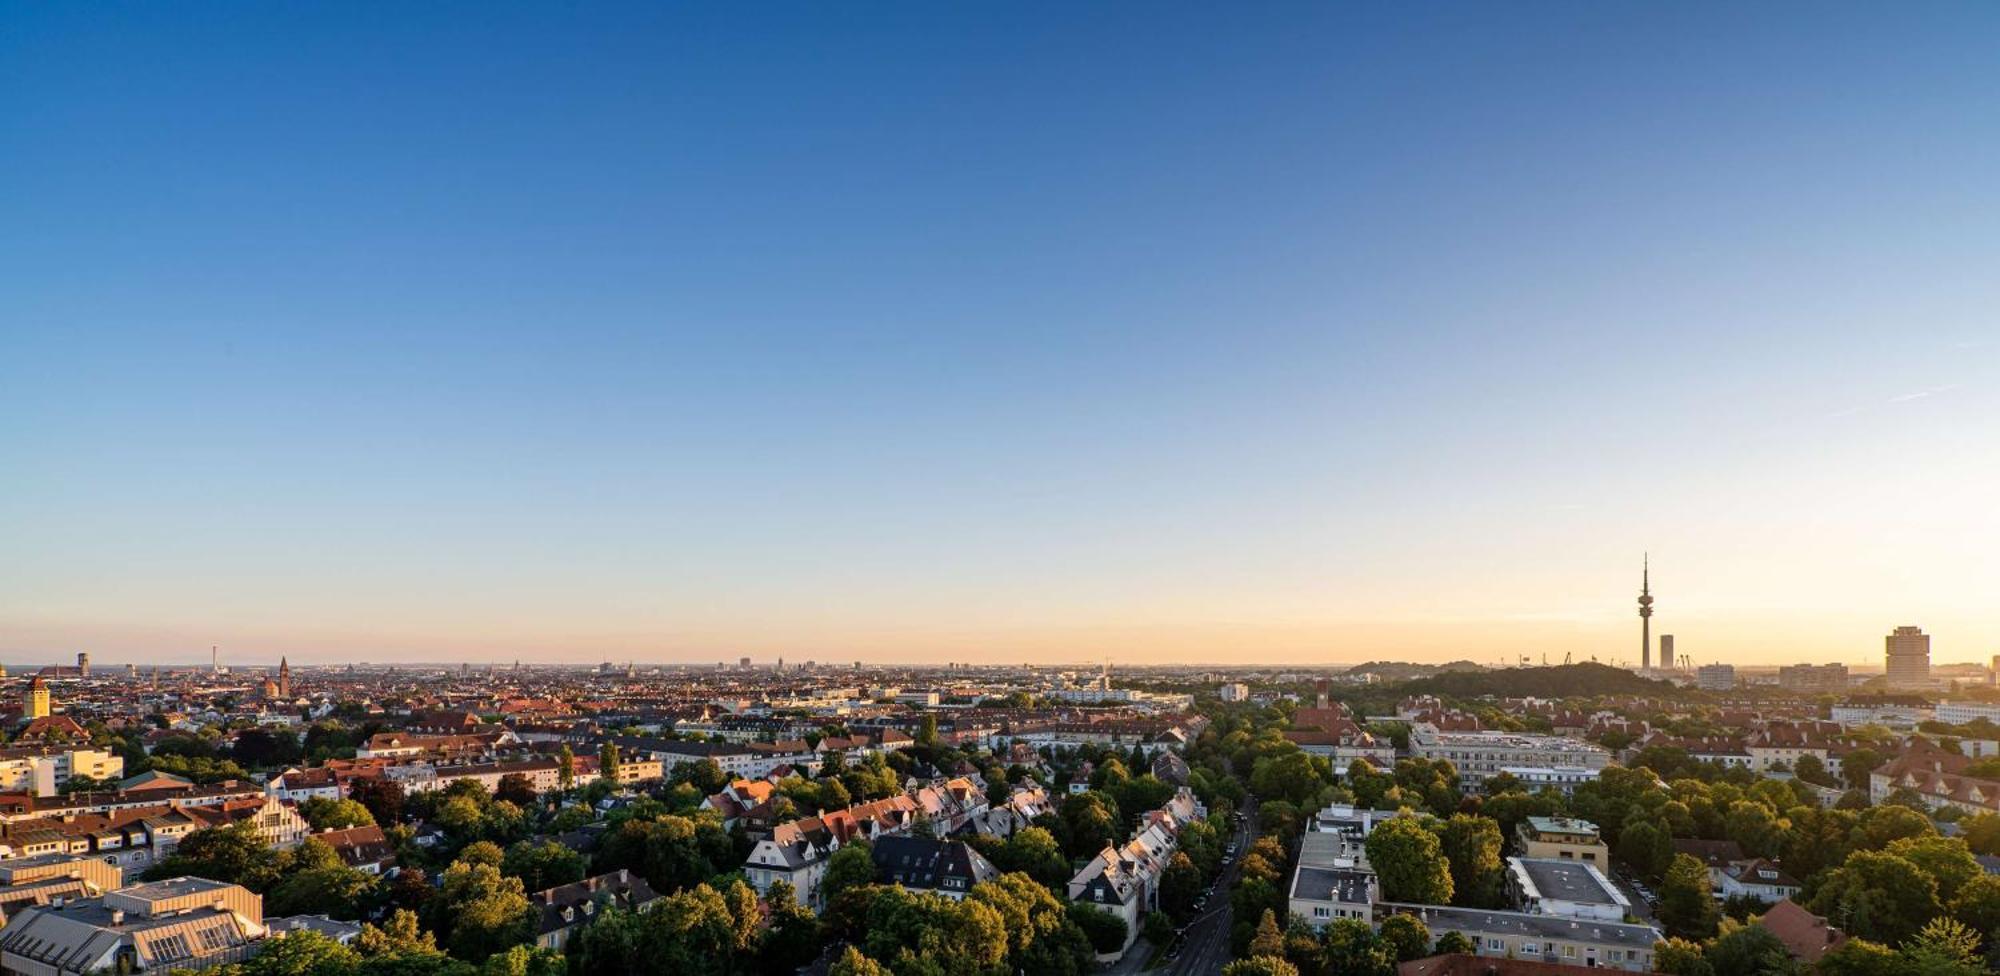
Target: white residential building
1478	755
1573	889
1563	778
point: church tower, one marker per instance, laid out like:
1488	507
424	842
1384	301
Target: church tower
35	701
284	678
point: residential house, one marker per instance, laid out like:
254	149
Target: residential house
945	867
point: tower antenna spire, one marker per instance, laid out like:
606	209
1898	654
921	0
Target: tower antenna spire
1646	611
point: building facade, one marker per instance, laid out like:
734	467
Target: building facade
1715	677
1478	755
1907	654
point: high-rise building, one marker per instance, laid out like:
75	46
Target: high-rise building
1666	652
1715	677
1908	653
1813	678
1995	669
35	701
1646	612
83	664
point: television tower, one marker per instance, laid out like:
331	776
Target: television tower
1646	613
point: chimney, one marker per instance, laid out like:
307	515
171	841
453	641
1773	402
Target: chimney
117	916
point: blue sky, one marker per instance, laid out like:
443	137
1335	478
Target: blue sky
1169	332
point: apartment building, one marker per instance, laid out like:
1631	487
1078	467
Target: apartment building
1564	839
1570	888
1333	879
182	923
44	771
1478	755
1564	779
1543	938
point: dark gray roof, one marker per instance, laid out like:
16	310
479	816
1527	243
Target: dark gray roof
1473	921
1331	884
1565	881
675	747
922	862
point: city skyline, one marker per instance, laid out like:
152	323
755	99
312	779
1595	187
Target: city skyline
1300	334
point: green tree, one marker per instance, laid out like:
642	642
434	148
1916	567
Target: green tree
1041	936
1978	904
1750	950
326	814
1106	932
1946	859
1878	827
1180	884
1035	851
1646	849
1856	765
1754	827
1092	823
607	762
543	865
1472	846
849	867
1876	895
383	797
912	930
338	891
483	911
302	953
853	963
671	852
1406	937
400	934
234	854
1680	957
1409	862
792	938
1268	941
1812	770
1687	907
1860	957
1945	944
565	768
1455	943
1981	833
517	789
1260	966
524	960
1351	948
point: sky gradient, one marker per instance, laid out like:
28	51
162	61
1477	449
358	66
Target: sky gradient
1297	333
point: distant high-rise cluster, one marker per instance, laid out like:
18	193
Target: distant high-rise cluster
1908	656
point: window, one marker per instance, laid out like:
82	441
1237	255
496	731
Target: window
1321	911
1496	944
